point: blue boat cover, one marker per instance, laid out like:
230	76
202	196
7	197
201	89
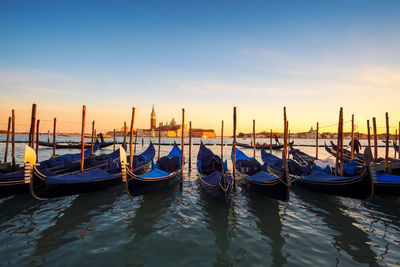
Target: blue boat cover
67	159
215	177
144	157
387	178
325	177
156	172
205	157
260	176
327	169
276	163
82	177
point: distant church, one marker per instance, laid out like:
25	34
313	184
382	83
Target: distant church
153	119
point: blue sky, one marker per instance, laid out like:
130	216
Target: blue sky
206	56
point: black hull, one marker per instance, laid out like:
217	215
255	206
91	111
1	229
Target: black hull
137	187
392	189
14	188
215	192
360	188
41	190
276	189
274	147
75	145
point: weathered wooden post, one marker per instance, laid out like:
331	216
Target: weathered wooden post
270	143
234	146
338	146
341	144
91	145
190	145
142	139
316	140
395	142
8	139
48	136
352	136
37	139
124	142
375	139
32	131
159	139
387	143
83	138
134	147
254	138
399	141
369	134
183	142
114	140
13	137
222	142
285	128
131	140
54	136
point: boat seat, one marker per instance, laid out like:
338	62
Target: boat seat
168	164
248	166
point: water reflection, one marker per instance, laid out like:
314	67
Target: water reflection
17	205
269	221
347	237
221	219
148	213
81	211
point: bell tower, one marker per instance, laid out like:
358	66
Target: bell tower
153	119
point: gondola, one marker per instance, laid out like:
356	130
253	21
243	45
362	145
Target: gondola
44	185
214	178
301	157
73	145
347	152
262	146
256	178
14	183
165	173
346	158
359	186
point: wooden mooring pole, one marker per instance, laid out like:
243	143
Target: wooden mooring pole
338	147
13	137
32	131
254	138
395	142
54	136
190	145
114	141
83	137
91	144
341	144
8	139
375	139
183	143
159	140
316	141
131	140
37	139
234	146
352	136
387	143
369	134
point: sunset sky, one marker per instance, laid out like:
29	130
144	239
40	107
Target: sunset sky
206	56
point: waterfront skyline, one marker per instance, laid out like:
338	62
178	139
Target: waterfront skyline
312	57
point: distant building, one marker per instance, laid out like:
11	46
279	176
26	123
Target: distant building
153	119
